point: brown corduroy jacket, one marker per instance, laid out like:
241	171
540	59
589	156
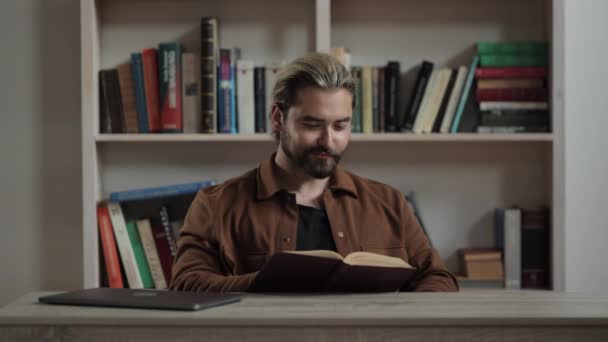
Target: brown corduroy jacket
232	229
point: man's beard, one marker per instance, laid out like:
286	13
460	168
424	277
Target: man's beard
315	167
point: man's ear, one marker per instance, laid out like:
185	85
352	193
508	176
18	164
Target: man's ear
276	118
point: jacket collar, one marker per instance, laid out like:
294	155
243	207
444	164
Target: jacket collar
269	173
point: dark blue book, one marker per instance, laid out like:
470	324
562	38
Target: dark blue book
140	92
161	191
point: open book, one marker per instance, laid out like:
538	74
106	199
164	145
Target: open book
327	271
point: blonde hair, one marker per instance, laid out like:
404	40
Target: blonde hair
318	70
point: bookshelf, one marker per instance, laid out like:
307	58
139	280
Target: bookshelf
458	178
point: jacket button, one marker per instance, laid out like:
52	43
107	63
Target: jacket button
340	234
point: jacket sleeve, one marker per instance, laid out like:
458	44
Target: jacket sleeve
197	265
431	275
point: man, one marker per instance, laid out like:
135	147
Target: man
300	199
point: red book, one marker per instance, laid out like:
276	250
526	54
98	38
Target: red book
511	94
108	244
151	87
511	72
164	251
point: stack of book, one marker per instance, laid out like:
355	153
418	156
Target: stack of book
511	87
138	230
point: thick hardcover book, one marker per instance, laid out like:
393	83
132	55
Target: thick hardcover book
511	83
208	67
392	80
108	244
511	94
127	92
225	93
259	85
160	191
535	248
150	65
169	55
245	96
164	250
140	92
512	48
327	271
511	72
111	118
409	117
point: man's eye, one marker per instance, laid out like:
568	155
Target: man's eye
341	126
311	125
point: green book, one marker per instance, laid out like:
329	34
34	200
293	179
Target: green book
512	60
357	113
514	48
140	256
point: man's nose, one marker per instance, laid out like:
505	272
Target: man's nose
325	138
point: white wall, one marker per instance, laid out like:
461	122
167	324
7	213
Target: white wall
40	180
586	124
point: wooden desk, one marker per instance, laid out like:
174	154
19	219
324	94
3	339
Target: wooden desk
468	316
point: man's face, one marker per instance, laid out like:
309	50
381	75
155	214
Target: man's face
317	129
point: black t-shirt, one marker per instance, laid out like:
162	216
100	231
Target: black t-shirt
314	231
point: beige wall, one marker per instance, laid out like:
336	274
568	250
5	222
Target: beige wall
40	187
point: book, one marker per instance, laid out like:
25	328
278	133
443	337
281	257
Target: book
436	127
511	94
127	93
434	104
328	271
147	240
125	248
481	263
409	117
170	85
498	83
512	60
512	48
259	84
160	191
419	121
520	105
108	245
141	106
511	72
454	98
468	84
392	84
151	87
208	68
225	91
245	96
357	114
367	117
535	248
140	256
507	237
111	115
191	96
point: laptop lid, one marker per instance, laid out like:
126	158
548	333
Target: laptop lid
142	299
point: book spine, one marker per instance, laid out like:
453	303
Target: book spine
506	61
170	84
513	129
436	99
535	248
225	89
124	246
108	244
233	102
512	48
162	191
409	117
111	107
423	109
511	72
375	114
510	83
140	92
511	94
382	95
164	250
465	94
166	223
140	257
245	96
512	250
191	96
356	125
208	69
149	246
261	115
454	98
513	105
366	101
150	66
444	103
127	92
392	76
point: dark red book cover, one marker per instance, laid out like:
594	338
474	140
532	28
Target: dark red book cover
511	72
151	86
164	251
511	94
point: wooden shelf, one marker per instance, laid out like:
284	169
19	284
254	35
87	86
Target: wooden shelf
381	137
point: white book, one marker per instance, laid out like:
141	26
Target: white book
125	249
272	71
245	96
147	240
512	248
454	97
367	116
516	105
436	98
419	122
191	94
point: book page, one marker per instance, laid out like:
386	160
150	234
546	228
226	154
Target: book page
319	253
373	259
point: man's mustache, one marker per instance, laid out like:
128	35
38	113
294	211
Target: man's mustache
320	149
